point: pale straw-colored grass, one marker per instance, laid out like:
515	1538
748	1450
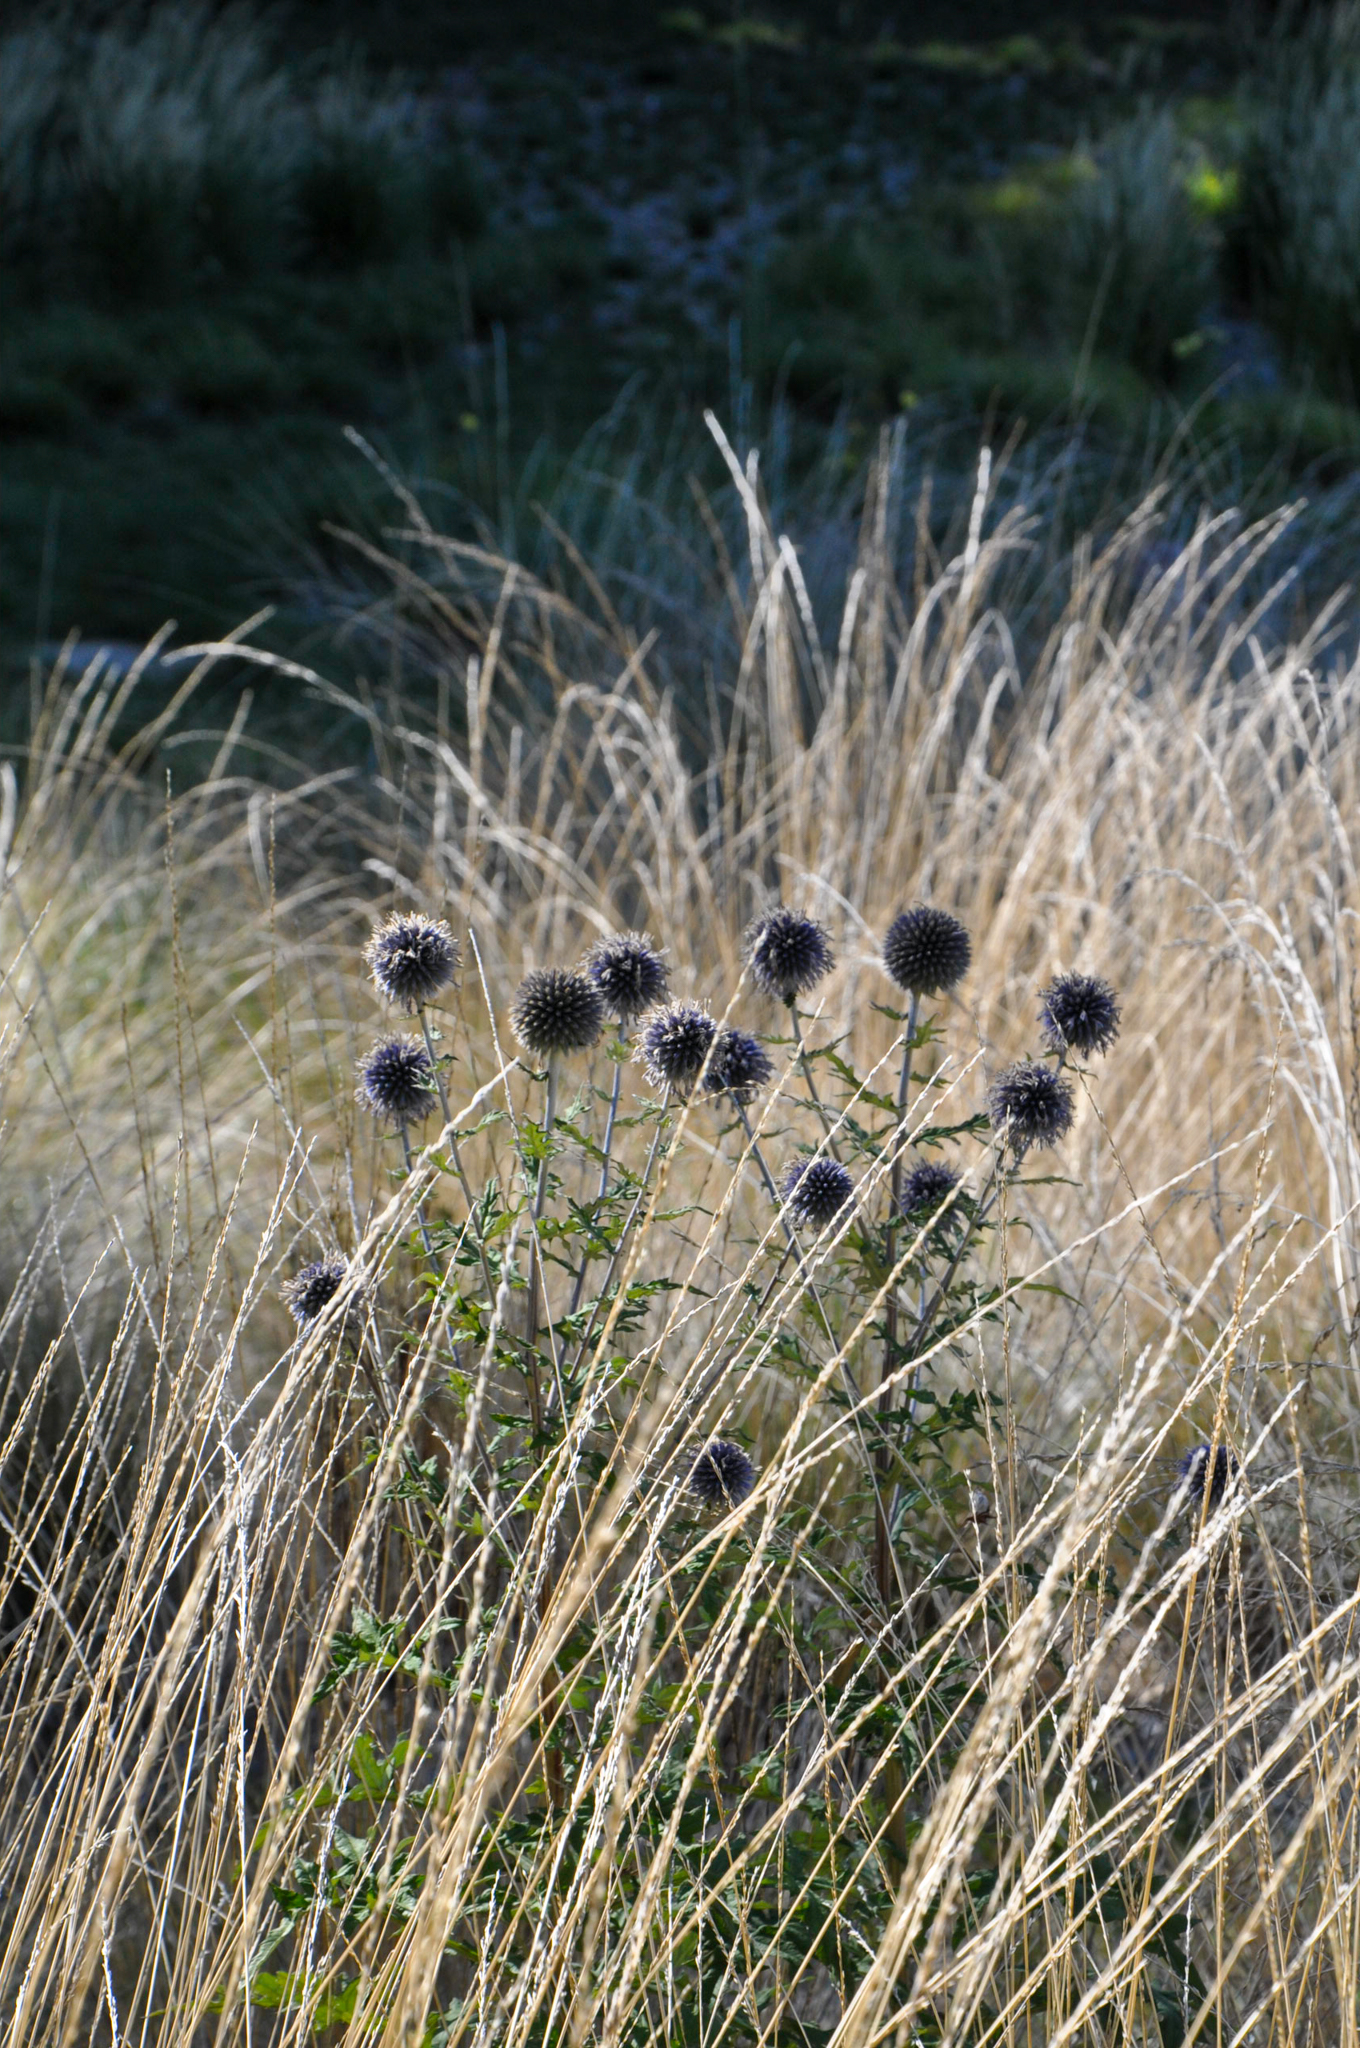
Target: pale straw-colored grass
1135	1736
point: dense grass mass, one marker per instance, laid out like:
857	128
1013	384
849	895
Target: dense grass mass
559	1582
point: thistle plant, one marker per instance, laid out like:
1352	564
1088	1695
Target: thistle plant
864	1269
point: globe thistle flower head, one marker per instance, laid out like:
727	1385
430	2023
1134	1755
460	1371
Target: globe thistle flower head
308	1292
1194	1469
556	1010
396	1080
1078	1013
628	972
787	954
926	951
674	1043
816	1190
927	1188
412	959
1030	1105
739	1066
722	1475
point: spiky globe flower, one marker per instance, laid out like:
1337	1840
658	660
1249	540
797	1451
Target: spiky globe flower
396	1080
674	1044
926	951
412	959
1030	1105
556	1010
1078	1013
1194	1469
816	1190
787	953
722	1475
308	1292
628	972
927	1188
739	1066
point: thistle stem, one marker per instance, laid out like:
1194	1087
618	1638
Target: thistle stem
806	1065
579	1286
882	1536
420	1206
456	1157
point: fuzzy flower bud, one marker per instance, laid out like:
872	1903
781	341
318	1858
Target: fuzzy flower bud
816	1190
1194	1469
1030	1105
739	1066
674	1044
396	1080
412	959
628	972
722	1475
927	1188
926	950
308	1292
787	954
1078	1013
556	1011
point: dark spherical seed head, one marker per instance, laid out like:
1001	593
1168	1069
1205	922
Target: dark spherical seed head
816	1190
926	950
739	1066
412	959
1078	1013
722	1475
927	1188
628	972
1029	1105
674	1043
308	1292
396	1080
555	1011
1194	1469
787	953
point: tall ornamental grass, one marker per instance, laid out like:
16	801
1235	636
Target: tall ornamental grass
659	1393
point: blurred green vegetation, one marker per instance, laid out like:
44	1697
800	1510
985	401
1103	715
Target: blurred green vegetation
226	237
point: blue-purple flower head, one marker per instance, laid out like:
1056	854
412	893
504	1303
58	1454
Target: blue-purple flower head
309	1291
926	950
1078	1013
926	1190
556	1011
816	1190
412	959
396	1080
1195	1468
787	953
1030	1106
629	974
739	1066
722	1475
673	1045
